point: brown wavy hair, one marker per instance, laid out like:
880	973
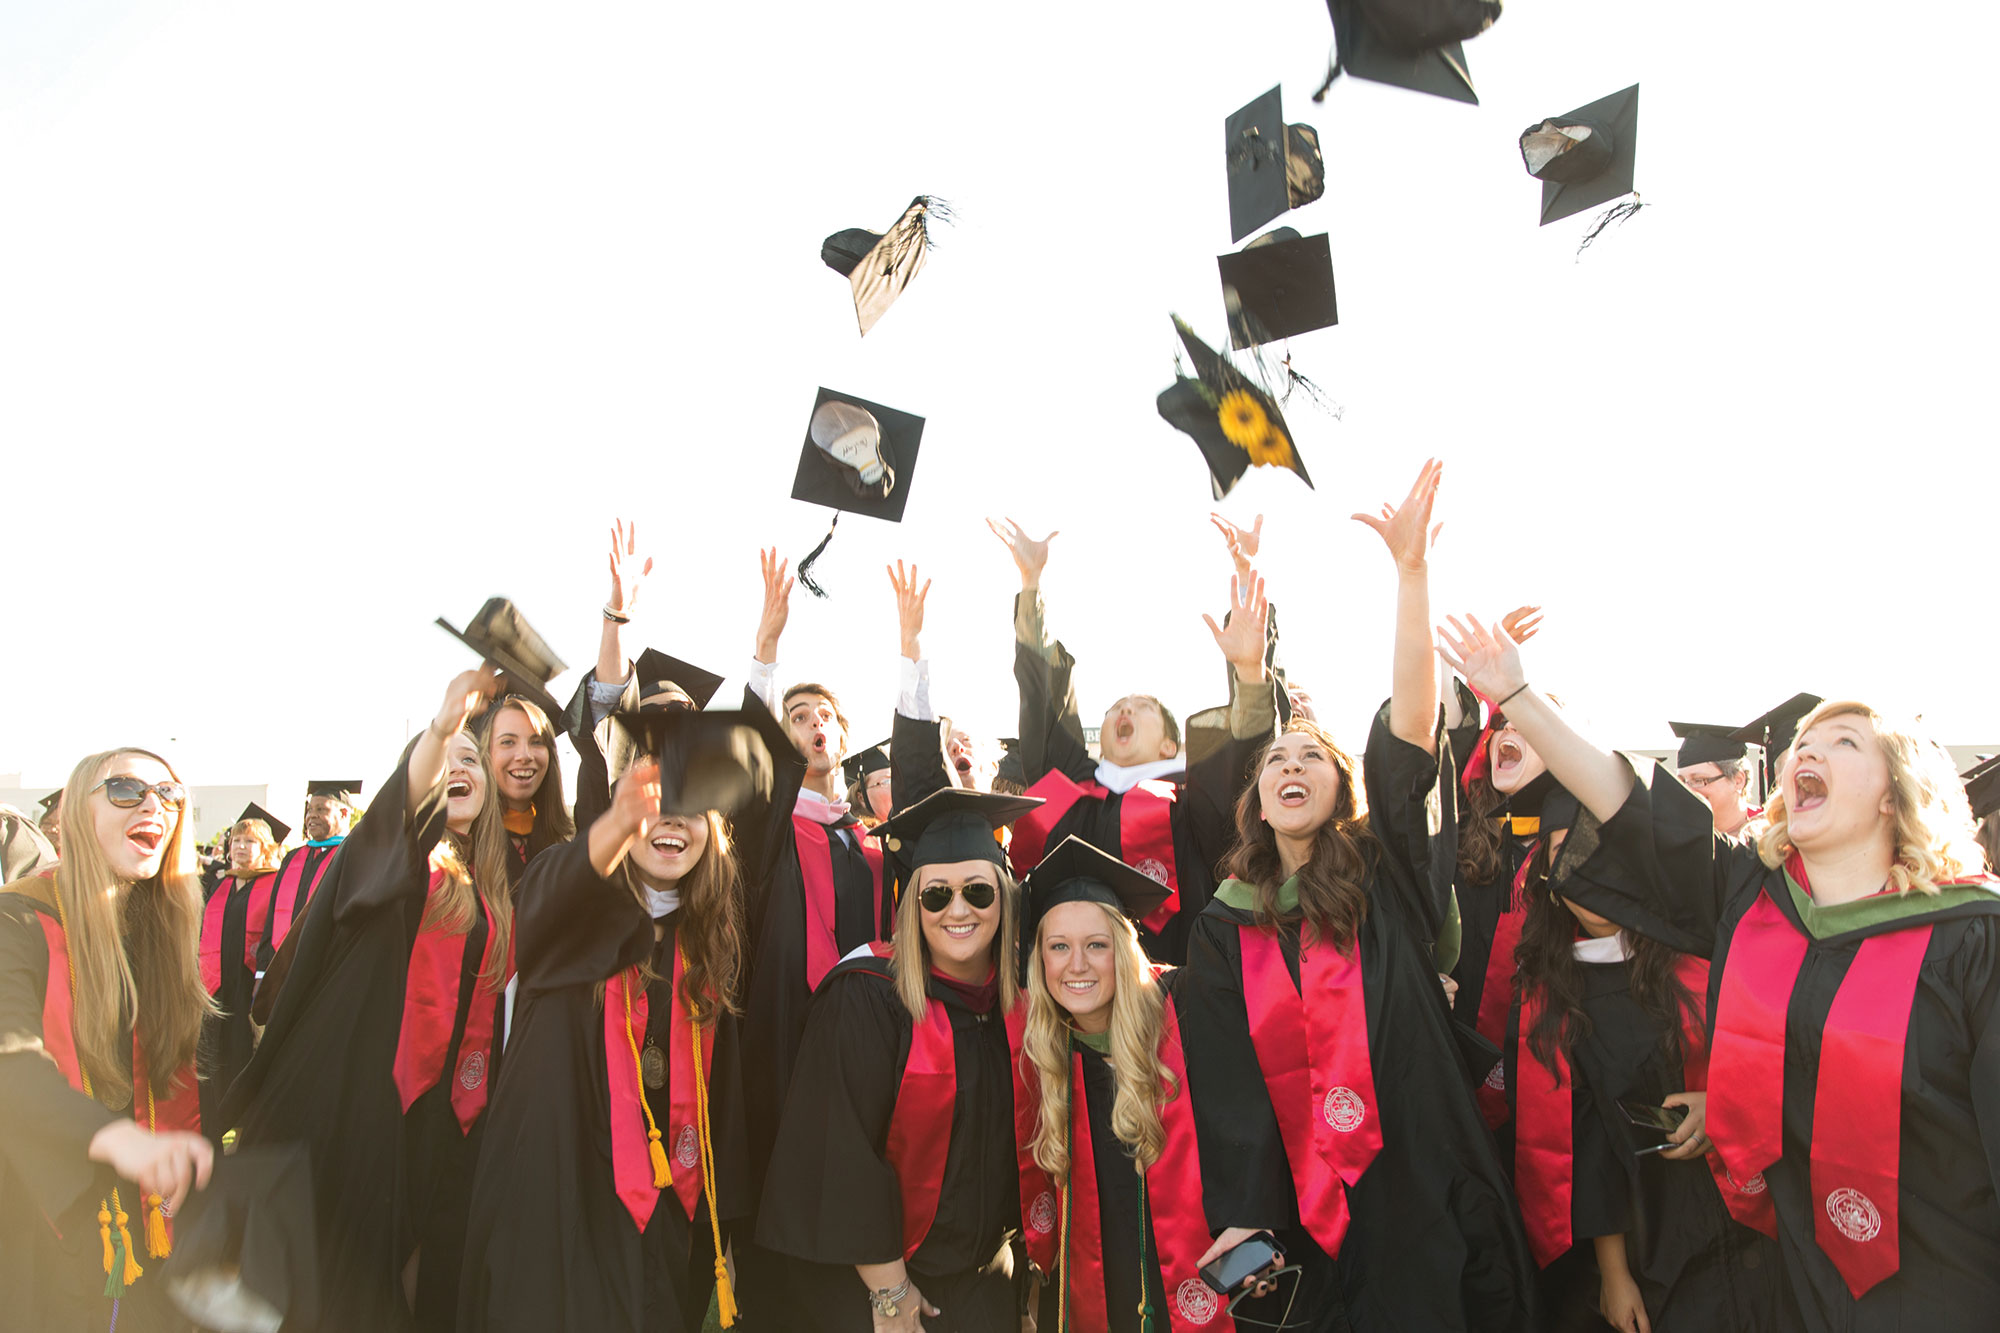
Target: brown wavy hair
1333	893
710	931
1480	841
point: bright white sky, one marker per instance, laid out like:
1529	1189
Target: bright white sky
388	307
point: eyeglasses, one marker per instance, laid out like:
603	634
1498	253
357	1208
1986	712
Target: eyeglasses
978	895
1690	780
126	792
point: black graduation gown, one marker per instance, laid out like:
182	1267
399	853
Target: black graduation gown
831	1197
1203	820
313	859
550	1246
1659	867
51	1259
1435	1241
227	1039
1480	907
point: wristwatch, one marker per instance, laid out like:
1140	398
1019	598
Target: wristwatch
884	1299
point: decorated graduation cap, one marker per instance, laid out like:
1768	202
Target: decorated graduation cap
879	265
952	824
1272	166
345	790
1705	743
1077	872
1982	786
657	673
1414	44
501	635
871	760
858	458
1232	419
244	1258
280	830
1585	158
1278	285
720	759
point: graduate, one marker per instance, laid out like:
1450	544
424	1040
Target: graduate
232	922
611	1157
1145	801
519	743
380	1052
892	1188
1331	1100
1852	993
329	815
1626	1221
101	1007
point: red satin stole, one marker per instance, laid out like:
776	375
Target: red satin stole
1312	1048
1145	832
631	1164
1855	1156
211	926
816	870
438	971
1496	993
920	1126
291	893
1750	1201
1544	1145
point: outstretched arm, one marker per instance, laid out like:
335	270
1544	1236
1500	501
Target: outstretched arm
462	698
771	626
628	570
1050	730
1407	531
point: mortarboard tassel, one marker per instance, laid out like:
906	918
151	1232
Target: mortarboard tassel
1618	213
104	1233
804	570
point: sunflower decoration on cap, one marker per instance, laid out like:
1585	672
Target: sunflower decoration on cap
1232	419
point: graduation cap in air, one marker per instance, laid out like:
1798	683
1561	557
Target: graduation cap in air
879	265
871	760
1272	166
1705	743
1585	158
858	458
501	635
710	760
1232	419
280	830
1773	732
951	824
1982	786
1278	285
345	790
244	1258
1414	44
1077	872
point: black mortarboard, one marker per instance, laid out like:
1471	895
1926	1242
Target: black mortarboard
280	830
1982	786
1232	419
1010	768
1774	731
879	265
501	635
1272	166
1585	158
1076	871
1412	44
858	458
244	1258
49	802
871	760
654	670
952	824
341	789
1705	743
712	760
1278	285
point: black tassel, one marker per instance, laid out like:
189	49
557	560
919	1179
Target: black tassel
804	570
1618	213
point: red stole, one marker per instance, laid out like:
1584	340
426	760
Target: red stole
920	1126
1497	991
1749	1202
816	870
631	1164
1312	1048
211	926
430	1013
1544	1147
1145	832
1858	1097
291	891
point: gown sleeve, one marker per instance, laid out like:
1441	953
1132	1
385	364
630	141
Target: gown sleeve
1657	866
830	1193
764	828
45	1125
1407	811
573	928
1980	984
387	856
1221	743
1051	730
917	764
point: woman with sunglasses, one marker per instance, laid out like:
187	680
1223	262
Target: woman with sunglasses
892	1187
101	1008
1329	1095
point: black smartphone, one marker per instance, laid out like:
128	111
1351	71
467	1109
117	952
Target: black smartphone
1253	1256
1666	1118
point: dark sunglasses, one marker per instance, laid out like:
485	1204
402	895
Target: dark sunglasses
126	792
978	895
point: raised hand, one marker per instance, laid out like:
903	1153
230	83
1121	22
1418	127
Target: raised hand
635	806
1242	639
1406	529
909	607
465	696
627	569
1030	555
777	604
1243	542
1522	622
1490	662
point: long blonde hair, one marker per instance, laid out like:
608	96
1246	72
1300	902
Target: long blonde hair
1144	1084
1936	841
911	981
148	963
479	866
267	845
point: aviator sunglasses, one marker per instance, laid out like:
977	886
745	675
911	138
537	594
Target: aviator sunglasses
127	791
978	895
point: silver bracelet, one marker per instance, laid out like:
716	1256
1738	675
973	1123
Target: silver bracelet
616	617
885	1299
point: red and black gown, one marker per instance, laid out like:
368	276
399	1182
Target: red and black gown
883	1156
1886	1205
1174	829
232	920
52	1276
567	1231
299	876
378	1058
1426	1233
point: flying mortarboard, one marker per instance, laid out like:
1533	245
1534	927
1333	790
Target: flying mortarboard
871	760
1412	44
712	760
244	1259
1272	166
879	265
1585	158
656	673
1705	743
952	824
1278	285
501	635
859	458
1982	786
346	790
1231	418
1076	871
280	830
